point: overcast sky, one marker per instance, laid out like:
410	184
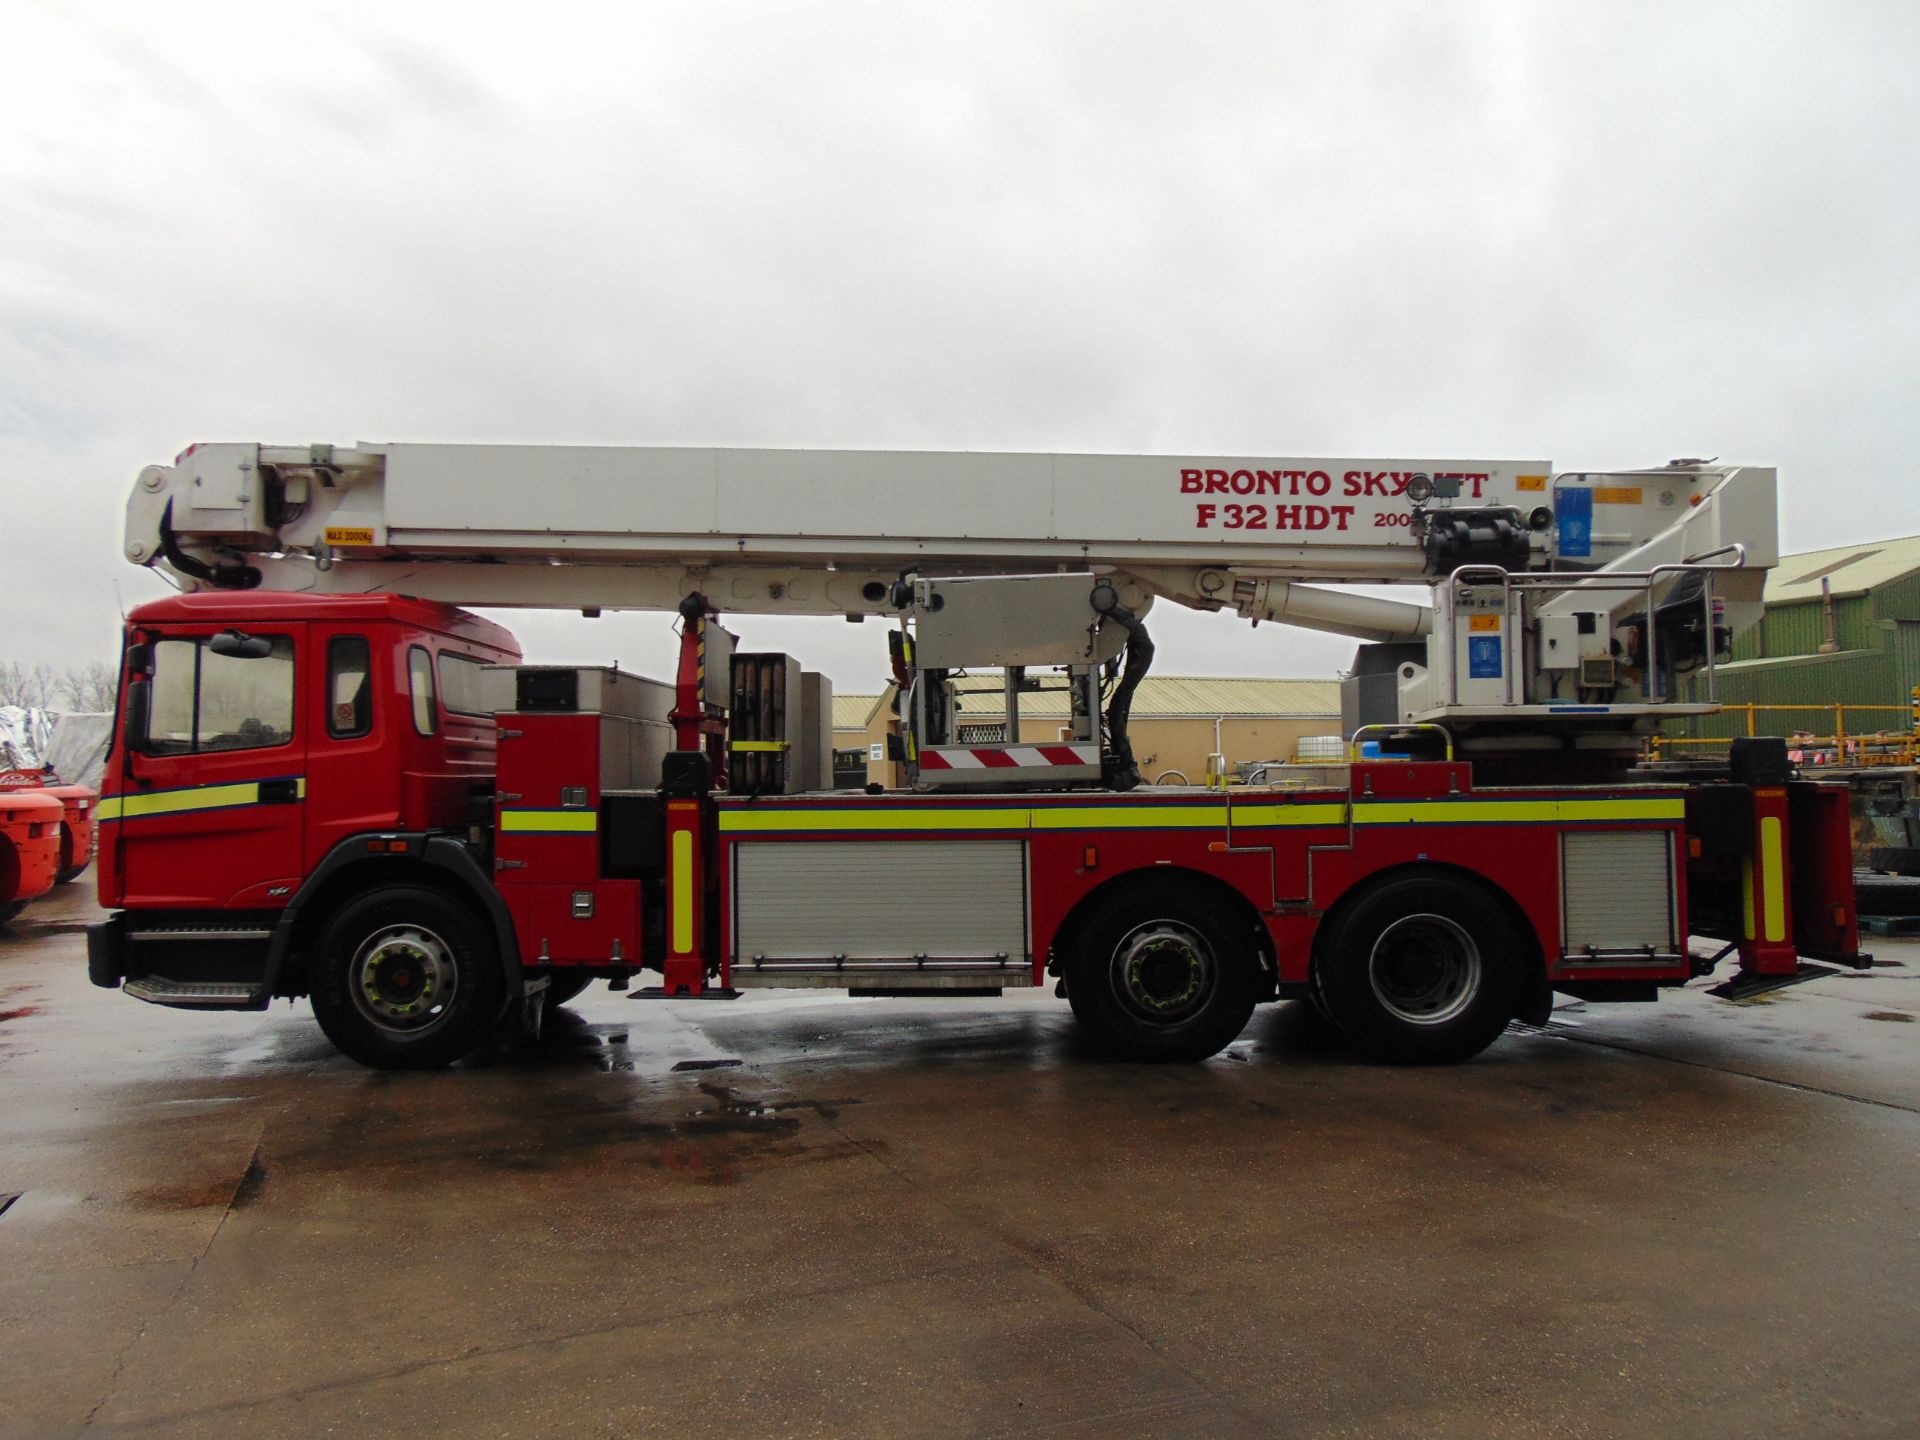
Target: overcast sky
1601	234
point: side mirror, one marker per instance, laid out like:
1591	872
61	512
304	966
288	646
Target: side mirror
140	659
240	646
139	702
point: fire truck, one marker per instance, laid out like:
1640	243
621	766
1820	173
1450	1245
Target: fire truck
22	746
29	848
329	781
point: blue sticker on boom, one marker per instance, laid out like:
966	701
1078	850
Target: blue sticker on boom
1573	512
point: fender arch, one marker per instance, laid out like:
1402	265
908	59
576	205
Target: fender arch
1536	994
1230	901
440	861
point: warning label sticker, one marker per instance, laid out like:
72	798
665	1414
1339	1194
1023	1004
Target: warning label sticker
349	535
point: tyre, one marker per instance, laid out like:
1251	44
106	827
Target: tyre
1422	970
1157	973
564	985
69	870
404	979
11	908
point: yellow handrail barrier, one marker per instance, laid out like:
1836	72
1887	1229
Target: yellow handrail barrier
1882	747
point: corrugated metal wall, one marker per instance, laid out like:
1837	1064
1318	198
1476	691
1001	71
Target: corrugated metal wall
1878	663
1801	629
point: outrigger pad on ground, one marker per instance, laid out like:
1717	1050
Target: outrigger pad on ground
1744	986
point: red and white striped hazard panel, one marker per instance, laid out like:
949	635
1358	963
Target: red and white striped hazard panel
1007	757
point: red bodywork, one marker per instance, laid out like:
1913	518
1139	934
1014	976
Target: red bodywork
1292	854
239	829
29	845
78	803
1598	882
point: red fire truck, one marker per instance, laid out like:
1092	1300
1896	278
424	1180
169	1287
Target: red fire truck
29	848
328	782
22	768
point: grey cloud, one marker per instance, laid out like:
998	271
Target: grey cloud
1601	233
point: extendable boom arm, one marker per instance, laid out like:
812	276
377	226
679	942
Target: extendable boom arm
826	531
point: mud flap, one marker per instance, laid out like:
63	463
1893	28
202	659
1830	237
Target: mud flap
533	1005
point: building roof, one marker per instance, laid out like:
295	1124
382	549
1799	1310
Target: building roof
1849	569
850	712
1164	696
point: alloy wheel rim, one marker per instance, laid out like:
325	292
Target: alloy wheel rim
1164	972
404	978
1425	969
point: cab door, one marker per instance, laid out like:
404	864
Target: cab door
210	813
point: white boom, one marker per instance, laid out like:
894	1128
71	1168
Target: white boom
826	531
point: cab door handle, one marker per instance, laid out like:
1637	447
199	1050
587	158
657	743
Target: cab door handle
279	792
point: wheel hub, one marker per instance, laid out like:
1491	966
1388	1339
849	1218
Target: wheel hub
1425	969
403	978
1164	971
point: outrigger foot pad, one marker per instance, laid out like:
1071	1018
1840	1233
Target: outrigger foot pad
1744	986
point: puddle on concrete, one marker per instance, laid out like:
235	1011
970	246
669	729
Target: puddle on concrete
1899	1017
20	1014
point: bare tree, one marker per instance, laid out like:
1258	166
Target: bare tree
89	687
33	686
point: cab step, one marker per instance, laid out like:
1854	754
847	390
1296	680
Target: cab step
193	994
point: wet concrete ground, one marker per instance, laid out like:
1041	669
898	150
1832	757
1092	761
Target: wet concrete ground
821	1217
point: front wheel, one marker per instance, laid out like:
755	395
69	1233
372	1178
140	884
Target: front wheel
1422	970
1158	974
404	979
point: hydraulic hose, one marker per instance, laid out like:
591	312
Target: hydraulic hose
1123	772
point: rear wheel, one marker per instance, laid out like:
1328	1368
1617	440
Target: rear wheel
1422	970
1157	974
404	979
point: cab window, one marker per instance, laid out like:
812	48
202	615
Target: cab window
426	709
349	687
462	684
202	701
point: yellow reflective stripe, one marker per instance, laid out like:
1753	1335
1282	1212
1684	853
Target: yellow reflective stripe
1324	813
770	822
1488	812
551	822
1080	817
1200	817
140	806
1773	874
682	869
756	744
1132	817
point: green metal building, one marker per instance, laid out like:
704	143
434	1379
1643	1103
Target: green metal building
1842	628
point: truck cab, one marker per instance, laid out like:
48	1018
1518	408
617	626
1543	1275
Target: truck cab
255	735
